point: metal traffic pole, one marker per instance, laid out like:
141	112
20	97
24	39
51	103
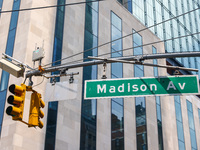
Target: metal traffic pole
97	62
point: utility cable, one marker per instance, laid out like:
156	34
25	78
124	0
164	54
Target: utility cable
122	37
39	83
129	49
44	7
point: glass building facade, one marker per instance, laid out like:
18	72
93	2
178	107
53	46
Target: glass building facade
191	126
9	51
57	55
85	127
158	105
117	104
89	107
140	102
179	123
152	12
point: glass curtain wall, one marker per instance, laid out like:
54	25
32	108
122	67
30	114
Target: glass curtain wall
57	55
117	104
179	123
152	12
158	105
89	107
191	126
9	51
140	104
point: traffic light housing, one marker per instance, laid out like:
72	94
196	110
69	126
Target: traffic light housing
17	100
35	110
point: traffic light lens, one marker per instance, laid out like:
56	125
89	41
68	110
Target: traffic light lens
12	88
14	100
9	110
10	99
15	89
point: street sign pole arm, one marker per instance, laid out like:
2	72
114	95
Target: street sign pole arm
145	64
97	62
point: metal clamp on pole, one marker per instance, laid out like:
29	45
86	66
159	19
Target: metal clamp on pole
104	70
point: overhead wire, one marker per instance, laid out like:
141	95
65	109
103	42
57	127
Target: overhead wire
39	83
52	6
122	37
129	49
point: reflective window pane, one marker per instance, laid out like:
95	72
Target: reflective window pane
178	112
117	104
116	21
89	107
199	115
2	105
179	122
191	125
180	131
57	55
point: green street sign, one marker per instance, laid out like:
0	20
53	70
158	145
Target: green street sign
144	86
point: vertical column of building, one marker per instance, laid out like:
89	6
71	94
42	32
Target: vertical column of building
158	106
191	126
9	51
89	108
117	104
57	54
140	104
179	123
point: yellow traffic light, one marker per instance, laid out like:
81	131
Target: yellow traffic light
17	100
35	110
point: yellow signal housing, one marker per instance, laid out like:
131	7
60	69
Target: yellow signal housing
17	100
35	112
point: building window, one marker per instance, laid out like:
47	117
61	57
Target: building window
127	4
1	3
158	105
179	123
10	42
155	61
191	125
89	107
117	104
140	104
9	51
2	105
199	115
57	55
